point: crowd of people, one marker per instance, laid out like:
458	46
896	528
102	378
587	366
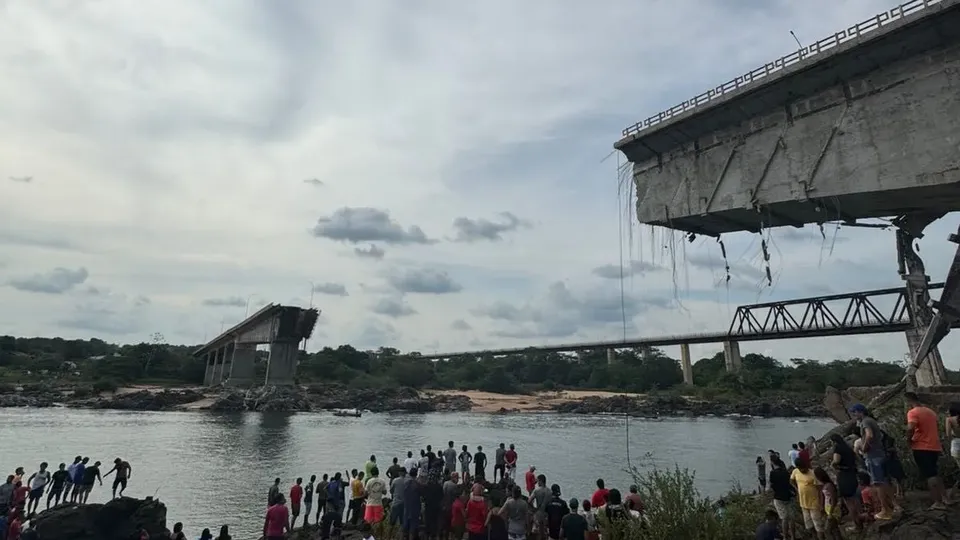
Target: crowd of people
20	499
444	495
854	483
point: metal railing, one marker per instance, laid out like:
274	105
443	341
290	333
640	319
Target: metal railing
854	32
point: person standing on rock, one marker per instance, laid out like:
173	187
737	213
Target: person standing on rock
410	464
875	458
375	490
277	521
394	470
123	470
90	475
510	461
480	464
273	492
450	458
793	454
6	495
38	481
296	496
844	461
321	497
465	459
925	443
78	470
58	480
71	474
308	500
369	465
356	499
498	462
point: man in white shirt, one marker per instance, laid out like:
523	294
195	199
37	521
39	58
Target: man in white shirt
410	463
37	482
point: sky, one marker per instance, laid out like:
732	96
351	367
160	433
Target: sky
432	176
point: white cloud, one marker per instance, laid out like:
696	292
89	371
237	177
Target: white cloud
185	151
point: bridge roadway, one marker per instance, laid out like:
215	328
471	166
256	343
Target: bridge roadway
859	316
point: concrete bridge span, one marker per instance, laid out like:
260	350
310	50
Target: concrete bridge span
230	357
864	123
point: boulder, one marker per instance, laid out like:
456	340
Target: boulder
141	400
119	519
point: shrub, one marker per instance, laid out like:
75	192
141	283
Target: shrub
676	509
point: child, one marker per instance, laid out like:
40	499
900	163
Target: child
593	531
868	506
831	510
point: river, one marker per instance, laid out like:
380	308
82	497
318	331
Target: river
211	469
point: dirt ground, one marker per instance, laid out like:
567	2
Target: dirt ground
490	402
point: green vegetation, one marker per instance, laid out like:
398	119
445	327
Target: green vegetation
636	370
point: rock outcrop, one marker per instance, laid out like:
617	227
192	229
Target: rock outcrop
142	400
680	406
119	519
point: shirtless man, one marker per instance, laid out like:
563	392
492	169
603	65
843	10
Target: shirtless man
123	470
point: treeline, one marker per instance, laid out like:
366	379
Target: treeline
635	370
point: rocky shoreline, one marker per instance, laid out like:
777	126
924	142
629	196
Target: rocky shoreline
334	396
657	406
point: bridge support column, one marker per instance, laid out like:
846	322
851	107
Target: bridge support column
611	357
241	368
282	363
731	356
685	365
217	367
930	371
227	362
208	374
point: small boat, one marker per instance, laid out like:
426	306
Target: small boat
347	412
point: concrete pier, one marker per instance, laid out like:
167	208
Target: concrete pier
242	366
685	364
611	357
731	356
217	366
208	374
282	363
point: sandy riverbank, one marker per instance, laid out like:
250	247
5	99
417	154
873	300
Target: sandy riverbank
540	401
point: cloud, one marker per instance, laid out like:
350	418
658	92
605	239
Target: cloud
21	179
425	281
355	225
475	230
718	265
56	281
830	234
375	333
28	239
393	307
229	301
314	182
333	289
372	252
562	313
614	271
460	324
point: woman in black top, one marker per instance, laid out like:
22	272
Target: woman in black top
845	463
496	526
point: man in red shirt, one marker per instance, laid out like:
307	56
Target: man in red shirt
16	526
531	480
924	437
510	460
804	453
599	497
277	521
20	493
296	495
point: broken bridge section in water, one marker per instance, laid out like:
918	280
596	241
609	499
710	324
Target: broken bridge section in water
862	124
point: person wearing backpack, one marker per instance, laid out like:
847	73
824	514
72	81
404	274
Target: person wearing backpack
875	457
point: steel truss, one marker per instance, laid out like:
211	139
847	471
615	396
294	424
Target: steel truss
852	313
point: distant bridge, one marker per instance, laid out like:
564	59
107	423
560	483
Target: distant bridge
819	316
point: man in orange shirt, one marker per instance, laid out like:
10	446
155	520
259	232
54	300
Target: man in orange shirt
925	443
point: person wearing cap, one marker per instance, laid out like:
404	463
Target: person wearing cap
874	457
556	510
